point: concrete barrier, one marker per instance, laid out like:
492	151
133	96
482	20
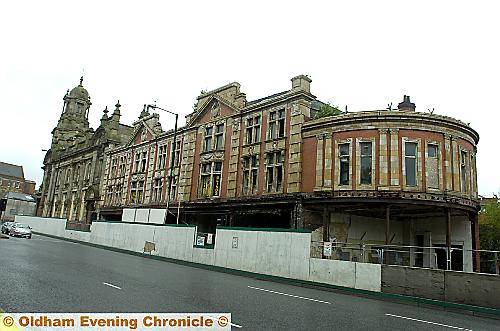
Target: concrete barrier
52	226
473	289
276	253
426	283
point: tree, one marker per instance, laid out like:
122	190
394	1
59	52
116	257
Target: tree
328	109
489	225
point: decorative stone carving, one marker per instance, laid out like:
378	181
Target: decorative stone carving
215	109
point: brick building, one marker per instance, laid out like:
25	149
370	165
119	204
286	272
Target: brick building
12	180
377	177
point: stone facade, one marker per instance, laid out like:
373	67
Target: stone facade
270	163
73	167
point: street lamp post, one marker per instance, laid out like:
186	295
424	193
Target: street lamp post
172	158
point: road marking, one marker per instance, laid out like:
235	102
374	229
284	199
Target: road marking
289	295
236	325
111	285
433	323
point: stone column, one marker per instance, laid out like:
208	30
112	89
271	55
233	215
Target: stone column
327	181
447	163
319	162
185	180
297	118
234	157
456	164
395	159
383	168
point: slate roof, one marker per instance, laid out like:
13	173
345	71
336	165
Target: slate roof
19	196
268	97
12	170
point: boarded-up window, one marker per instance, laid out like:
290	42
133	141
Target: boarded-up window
431	166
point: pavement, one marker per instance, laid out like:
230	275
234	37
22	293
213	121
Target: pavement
50	275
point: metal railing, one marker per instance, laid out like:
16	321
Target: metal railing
435	257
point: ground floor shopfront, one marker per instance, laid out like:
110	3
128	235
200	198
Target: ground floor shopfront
369	228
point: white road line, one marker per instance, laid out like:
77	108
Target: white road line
289	295
111	285
433	323
236	325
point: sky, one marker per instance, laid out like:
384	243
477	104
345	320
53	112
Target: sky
363	54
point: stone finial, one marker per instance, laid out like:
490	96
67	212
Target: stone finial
104	115
81	81
406	105
144	111
117	108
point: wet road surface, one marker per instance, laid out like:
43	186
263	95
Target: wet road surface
50	275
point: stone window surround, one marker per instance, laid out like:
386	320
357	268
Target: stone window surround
336	182
283	154
249	116
212	172
418	157
213	124
358	163
268	112
467	170
143	149
250	168
439	167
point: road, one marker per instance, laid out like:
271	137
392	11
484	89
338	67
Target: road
50	275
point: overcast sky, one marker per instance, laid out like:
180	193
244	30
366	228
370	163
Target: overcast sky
444	54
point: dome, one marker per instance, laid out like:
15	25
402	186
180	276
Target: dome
79	92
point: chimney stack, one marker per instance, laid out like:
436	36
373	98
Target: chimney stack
406	105
301	83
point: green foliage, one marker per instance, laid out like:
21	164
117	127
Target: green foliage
328	109
489	226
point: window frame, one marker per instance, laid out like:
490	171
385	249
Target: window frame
253	126
276	123
207	179
272	166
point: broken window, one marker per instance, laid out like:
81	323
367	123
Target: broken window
137	161
210	179
177	156
114	167
208	139
157	189
162	157
344	157
143	161
109	197
250	174
87	170
274	172
366	163
276	124
219	135
137	192
411	163
463	171
118	194
253	130
121	167
173	187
